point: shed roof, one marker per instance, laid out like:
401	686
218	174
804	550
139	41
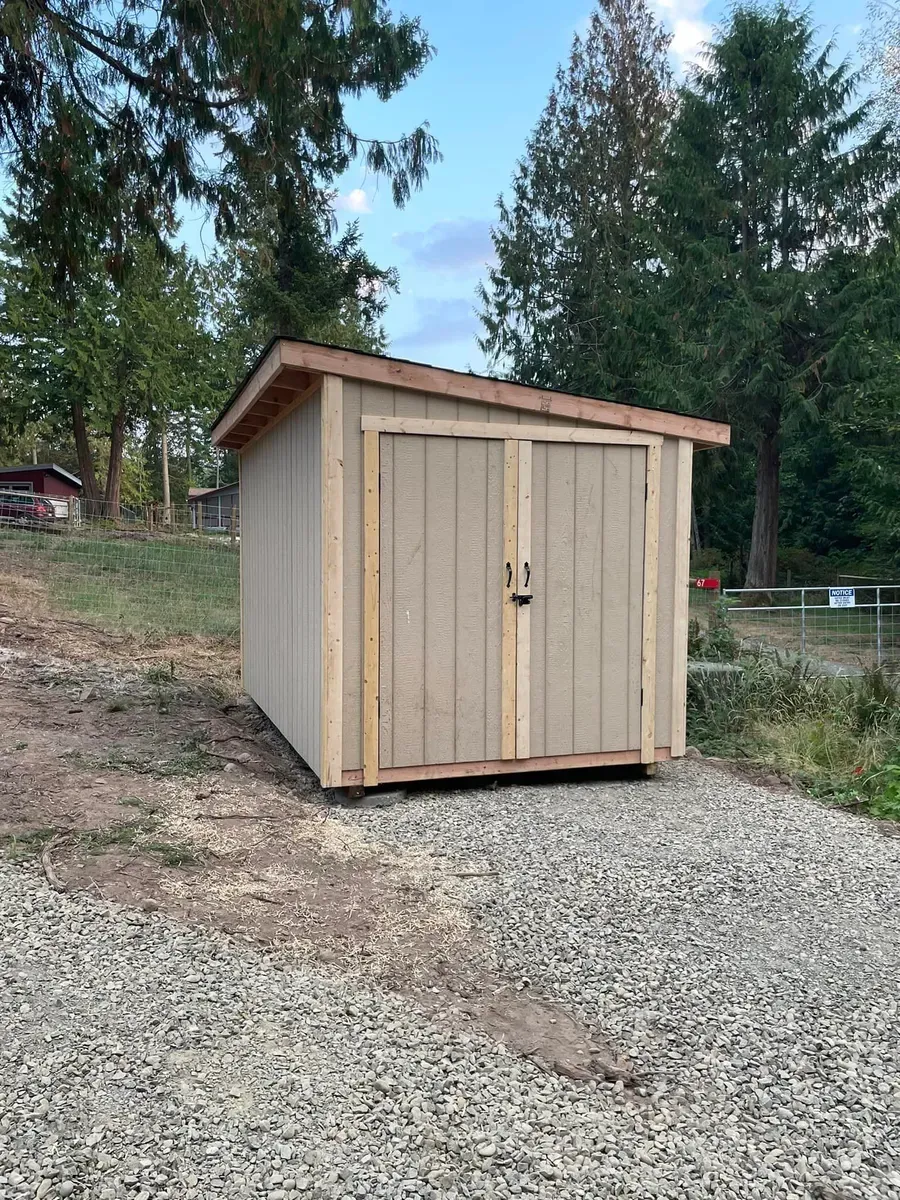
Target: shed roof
289	367
47	468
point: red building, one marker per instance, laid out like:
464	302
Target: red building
40	479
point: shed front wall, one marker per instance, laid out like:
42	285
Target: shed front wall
477	659
281	576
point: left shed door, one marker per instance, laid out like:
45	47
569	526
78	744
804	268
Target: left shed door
442	588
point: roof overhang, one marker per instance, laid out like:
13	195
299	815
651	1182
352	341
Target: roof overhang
288	370
47	468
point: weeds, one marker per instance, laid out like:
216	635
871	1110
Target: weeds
838	737
133	836
16	847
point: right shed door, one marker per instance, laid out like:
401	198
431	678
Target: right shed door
581	546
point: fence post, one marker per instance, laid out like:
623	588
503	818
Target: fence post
879	652
71	516
233	525
803	620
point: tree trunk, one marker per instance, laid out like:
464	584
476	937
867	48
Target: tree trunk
762	565
83	449
113	493
166	491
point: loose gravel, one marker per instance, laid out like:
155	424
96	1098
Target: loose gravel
740	947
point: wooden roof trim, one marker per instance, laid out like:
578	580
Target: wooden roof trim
441	381
264	373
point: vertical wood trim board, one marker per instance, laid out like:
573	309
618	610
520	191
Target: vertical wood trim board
523	613
651	579
371	605
508	626
682	579
240	550
333	578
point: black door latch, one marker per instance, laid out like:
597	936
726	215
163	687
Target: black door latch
520	599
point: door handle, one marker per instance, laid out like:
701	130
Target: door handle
527	574
508	574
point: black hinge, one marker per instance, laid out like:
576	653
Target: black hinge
642	697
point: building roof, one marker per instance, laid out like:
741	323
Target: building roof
288	368
206	493
47	468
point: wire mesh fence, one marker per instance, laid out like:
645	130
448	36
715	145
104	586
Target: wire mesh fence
139	570
851	625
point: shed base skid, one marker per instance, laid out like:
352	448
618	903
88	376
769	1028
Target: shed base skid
508	766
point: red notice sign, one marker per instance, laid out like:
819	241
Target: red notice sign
711	585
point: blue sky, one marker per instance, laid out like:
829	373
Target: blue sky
481	95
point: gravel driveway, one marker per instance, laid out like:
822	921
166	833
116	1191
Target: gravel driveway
740	947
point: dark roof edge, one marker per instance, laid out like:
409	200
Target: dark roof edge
43	467
533	387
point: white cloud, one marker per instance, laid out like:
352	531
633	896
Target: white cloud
355	201
684	20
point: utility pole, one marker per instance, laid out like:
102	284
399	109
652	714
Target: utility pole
167	496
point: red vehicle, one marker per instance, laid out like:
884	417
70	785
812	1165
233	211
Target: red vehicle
22	508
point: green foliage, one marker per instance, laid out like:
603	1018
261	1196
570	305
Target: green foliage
283	274
714	641
112	114
564	305
128	357
840	738
750	274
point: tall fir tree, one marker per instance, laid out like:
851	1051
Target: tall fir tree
563	306
775	196
112	113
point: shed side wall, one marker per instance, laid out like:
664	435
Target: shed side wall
377	400
281	545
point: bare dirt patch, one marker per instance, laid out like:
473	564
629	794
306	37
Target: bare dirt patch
161	788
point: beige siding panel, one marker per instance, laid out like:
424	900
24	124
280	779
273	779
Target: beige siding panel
470	601
635	595
586	616
619	635
476	673
666	594
495	597
560	603
281	546
441	600
538	587
407	616
589	598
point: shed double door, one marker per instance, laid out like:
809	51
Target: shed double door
506	588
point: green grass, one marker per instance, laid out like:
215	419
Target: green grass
133	835
838	738
165	586
188	759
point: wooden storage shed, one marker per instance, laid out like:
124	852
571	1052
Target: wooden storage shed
447	575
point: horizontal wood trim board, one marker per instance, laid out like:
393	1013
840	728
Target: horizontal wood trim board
502	766
421	378
521	433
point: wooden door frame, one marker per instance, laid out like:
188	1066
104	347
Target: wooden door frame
515	624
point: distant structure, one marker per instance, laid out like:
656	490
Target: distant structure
40	479
211	507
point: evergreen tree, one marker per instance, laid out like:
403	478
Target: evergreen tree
775	199
111	113
286	275
564	304
122	358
